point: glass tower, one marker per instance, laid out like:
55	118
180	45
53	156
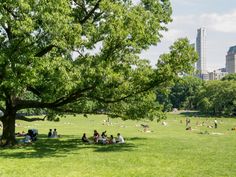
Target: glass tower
201	50
231	60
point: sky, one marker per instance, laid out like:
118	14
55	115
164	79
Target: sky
218	17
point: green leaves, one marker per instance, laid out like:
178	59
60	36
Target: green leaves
218	98
229	77
40	39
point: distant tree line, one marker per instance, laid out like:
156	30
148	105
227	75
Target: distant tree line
216	97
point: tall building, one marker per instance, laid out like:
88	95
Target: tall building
231	60
201	50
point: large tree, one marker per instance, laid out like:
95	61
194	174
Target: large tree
83	56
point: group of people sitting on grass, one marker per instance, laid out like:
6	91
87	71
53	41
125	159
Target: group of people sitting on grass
53	134
103	139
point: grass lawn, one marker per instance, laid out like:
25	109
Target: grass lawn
168	151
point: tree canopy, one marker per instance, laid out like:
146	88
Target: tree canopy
83	56
218	98
229	77
183	94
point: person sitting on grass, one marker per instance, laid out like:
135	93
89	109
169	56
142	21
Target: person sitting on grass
27	139
33	135
112	140
50	133
102	140
120	138
54	133
84	138
104	134
95	136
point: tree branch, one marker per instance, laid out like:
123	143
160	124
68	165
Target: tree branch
97	16
124	97
95	111
44	51
72	97
29	119
82	5
24	104
9	11
34	90
90	13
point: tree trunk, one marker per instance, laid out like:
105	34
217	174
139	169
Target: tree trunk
8	133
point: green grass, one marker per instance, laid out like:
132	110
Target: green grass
168	151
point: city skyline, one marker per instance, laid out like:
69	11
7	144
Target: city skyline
219	20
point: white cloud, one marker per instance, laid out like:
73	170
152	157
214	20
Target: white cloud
187	2
220	22
172	35
212	21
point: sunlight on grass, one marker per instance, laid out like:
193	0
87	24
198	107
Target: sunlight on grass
169	151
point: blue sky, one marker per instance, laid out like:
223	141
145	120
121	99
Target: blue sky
218	17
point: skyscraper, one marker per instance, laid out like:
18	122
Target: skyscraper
201	50
231	60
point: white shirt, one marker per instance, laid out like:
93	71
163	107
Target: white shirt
113	140
120	139
54	134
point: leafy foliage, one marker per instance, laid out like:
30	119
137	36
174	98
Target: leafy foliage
229	77
76	56
183	94
218	98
